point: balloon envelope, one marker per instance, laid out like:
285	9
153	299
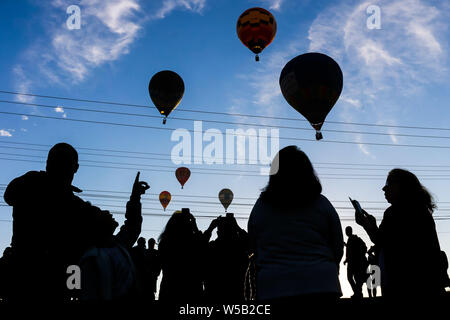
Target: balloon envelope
166	88
182	175
164	198
226	197
311	83
256	28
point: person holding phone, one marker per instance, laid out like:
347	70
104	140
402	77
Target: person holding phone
406	233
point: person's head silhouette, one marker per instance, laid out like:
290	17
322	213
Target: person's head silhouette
348	231
141	242
403	187
293	182
62	163
151	243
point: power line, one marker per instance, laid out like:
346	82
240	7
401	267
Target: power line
229	122
151	165
122	151
236	134
219	113
326	176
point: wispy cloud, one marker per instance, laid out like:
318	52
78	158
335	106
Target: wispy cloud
23	84
5	133
63	56
273	4
25	118
59	109
168	6
398	60
401	56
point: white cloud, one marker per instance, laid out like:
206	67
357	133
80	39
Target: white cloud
168	6
273	4
381	65
108	29
22	84
5	133
59	109
25	118
401	56
23	130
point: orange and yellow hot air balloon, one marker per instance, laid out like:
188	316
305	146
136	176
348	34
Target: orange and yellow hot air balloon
182	174
256	28
164	198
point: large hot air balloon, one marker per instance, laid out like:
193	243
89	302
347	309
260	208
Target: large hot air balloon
166	89
311	83
182	175
226	197
256	28
164	198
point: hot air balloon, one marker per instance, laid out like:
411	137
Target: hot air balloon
226	197
164	198
256	28
166	88
182	175
311	83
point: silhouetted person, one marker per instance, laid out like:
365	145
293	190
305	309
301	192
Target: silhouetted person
296	235
138	254
182	249
356	262
407	239
372	259
57	223
153	263
444	268
107	269
227	260
5	274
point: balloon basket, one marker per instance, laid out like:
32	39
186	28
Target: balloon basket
256	58
164	120
319	135
182	187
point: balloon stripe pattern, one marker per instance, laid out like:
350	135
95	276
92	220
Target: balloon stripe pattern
256	28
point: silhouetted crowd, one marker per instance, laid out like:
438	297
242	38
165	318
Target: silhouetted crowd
291	253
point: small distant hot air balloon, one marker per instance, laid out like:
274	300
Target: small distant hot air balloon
166	89
311	83
182	175
256	28
164	198
226	197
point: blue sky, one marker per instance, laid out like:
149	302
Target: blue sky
396	75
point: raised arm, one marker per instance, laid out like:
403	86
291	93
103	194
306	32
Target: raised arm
131	229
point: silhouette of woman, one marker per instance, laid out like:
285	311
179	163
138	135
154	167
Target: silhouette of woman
295	234
182	248
406	233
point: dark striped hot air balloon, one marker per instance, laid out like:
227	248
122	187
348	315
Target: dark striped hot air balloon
166	89
256	28
311	83
182	174
226	197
